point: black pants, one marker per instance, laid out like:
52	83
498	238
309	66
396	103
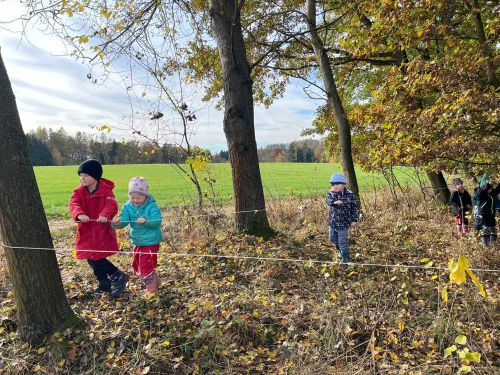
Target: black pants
102	268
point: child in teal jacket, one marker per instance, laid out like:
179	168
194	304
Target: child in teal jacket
144	217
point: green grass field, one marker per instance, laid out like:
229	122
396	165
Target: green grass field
169	187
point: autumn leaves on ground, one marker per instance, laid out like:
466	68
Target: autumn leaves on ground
232	316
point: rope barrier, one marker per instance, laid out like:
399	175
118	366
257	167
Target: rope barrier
272	259
183	216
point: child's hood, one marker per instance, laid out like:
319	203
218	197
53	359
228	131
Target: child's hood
110	184
105	186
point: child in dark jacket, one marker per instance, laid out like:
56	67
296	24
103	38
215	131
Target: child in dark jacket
92	206
144	217
487	210
343	213
461	204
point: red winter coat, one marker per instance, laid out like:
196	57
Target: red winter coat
94	235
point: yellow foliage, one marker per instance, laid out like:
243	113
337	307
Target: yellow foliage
444	295
459	272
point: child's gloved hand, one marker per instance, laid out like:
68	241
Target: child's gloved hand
102	219
83	218
141	220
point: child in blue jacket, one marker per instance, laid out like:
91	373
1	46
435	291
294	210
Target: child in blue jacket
343	213
489	190
144	217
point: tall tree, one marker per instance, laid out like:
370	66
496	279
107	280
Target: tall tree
41	304
421	89
334	100
159	30
239	117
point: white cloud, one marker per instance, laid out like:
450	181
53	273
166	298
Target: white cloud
53	91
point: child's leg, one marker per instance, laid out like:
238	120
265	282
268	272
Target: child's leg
334	238
147	262
465	227
135	259
102	269
486	234
343	236
461	224
493	236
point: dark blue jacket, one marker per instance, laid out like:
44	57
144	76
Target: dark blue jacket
460	201
487	204
342	215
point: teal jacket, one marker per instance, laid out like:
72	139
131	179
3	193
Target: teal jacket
145	234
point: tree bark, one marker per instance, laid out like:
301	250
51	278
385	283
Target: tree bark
334	101
239	118
41	304
439	187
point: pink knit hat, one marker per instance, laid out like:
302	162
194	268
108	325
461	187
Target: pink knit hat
138	185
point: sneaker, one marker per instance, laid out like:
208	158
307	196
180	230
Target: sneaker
118	283
103	287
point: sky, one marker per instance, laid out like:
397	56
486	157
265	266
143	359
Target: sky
52	91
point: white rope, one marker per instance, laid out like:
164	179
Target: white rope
271	259
179	217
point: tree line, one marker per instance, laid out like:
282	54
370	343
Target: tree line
56	147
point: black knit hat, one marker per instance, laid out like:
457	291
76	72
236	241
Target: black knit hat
92	168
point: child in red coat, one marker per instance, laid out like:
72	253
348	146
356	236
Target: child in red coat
93	206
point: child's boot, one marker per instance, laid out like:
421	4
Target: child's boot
104	286
152	282
158	281
118	283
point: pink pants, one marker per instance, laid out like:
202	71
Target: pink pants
462	227
145	260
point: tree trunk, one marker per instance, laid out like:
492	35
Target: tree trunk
239	118
38	291
439	187
334	101
490	66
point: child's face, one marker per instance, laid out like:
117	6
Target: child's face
137	199
337	188
87	180
459	187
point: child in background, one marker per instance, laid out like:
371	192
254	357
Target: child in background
487	210
144	217
92	206
461	204
343	213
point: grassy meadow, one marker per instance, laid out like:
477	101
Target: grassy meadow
170	187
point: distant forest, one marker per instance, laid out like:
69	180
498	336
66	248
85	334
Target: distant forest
57	147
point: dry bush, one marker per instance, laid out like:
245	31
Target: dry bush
231	315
